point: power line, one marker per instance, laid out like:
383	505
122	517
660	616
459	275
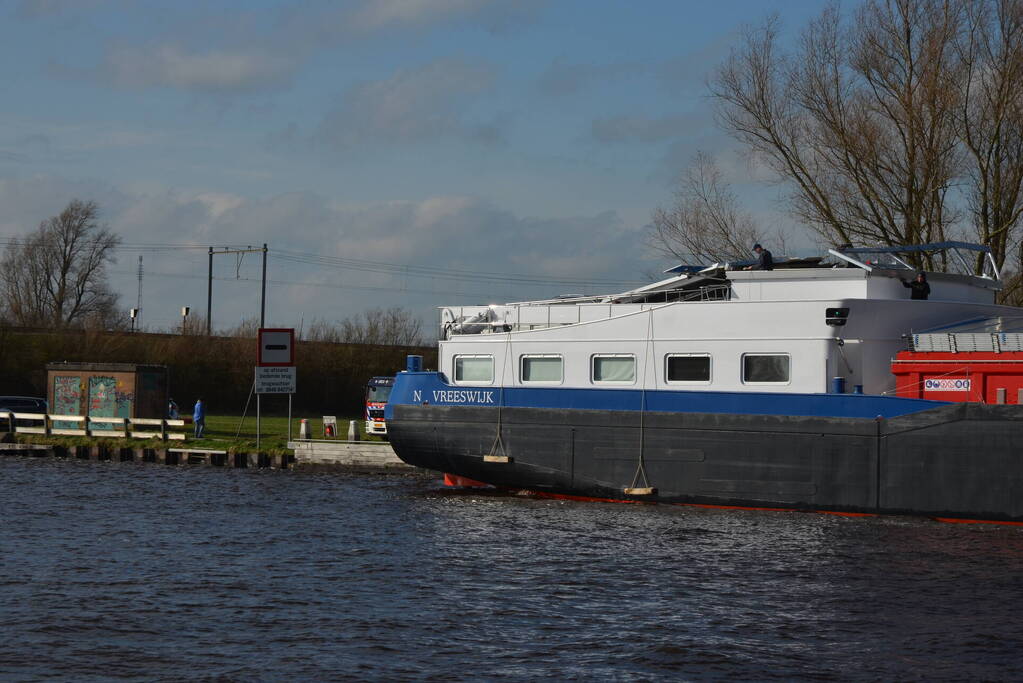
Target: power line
341	263
320	285
362	265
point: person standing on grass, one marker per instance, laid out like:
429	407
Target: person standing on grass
199	418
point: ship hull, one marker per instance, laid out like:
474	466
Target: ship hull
952	460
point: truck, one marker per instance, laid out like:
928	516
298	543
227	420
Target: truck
378	391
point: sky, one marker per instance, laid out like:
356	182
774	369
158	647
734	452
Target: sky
412	153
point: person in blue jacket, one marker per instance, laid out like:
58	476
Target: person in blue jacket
199	418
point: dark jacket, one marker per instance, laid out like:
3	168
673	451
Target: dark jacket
765	262
921	290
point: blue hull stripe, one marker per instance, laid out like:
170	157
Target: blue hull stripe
417	388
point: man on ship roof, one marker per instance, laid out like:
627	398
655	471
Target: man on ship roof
764	259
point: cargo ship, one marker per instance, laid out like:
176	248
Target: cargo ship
818	385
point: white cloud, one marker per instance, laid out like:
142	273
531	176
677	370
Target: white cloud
643	129
37	9
450	234
377	14
174	66
562	77
411	106
374	16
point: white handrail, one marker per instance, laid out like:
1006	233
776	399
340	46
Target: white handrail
119	426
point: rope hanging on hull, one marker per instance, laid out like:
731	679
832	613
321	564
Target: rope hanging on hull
497	450
646	489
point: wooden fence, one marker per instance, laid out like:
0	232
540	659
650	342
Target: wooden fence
87	425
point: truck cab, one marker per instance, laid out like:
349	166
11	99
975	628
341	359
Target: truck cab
378	391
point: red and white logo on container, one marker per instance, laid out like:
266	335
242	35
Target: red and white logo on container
947	384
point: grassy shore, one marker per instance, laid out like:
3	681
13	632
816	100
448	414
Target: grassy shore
231	432
223	432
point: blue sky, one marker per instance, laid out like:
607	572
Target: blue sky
429	152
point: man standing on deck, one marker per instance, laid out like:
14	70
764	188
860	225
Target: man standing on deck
921	289
764	259
199	418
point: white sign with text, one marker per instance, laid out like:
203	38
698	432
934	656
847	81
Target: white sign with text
275	380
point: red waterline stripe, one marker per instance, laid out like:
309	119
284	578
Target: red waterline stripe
583	499
590	499
953	520
846	514
734	507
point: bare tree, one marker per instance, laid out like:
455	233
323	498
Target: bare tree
990	125
248	328
389	327
321	330
704	224
57	275
193	326
860	121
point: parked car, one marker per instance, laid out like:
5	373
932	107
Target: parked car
20	404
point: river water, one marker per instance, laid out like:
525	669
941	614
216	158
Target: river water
140	572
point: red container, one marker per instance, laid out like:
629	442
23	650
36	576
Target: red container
979	376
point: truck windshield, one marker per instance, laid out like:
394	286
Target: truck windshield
378	394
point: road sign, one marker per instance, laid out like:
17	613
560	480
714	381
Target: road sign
275	380
276	347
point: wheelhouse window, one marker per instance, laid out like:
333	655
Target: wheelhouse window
617	368
766	368
542	368
474	369
687	368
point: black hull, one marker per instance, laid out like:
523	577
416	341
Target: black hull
963	461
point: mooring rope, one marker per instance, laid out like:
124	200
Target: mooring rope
640	467
498	441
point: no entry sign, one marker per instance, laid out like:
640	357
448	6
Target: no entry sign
276	347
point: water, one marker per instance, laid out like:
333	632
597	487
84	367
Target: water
135	571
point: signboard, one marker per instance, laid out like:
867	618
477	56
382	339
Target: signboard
947	384
275	380
276	347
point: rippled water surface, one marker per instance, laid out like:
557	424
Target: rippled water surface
136	571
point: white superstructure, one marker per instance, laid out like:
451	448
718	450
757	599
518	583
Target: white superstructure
788	330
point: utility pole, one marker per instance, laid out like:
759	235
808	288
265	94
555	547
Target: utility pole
138	304
209	286
262	324
262	300
209	297
262	307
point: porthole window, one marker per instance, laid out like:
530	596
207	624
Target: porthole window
766	368
474	369
547	368
616	369
687	368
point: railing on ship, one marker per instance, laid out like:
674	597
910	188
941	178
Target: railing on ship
465	320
